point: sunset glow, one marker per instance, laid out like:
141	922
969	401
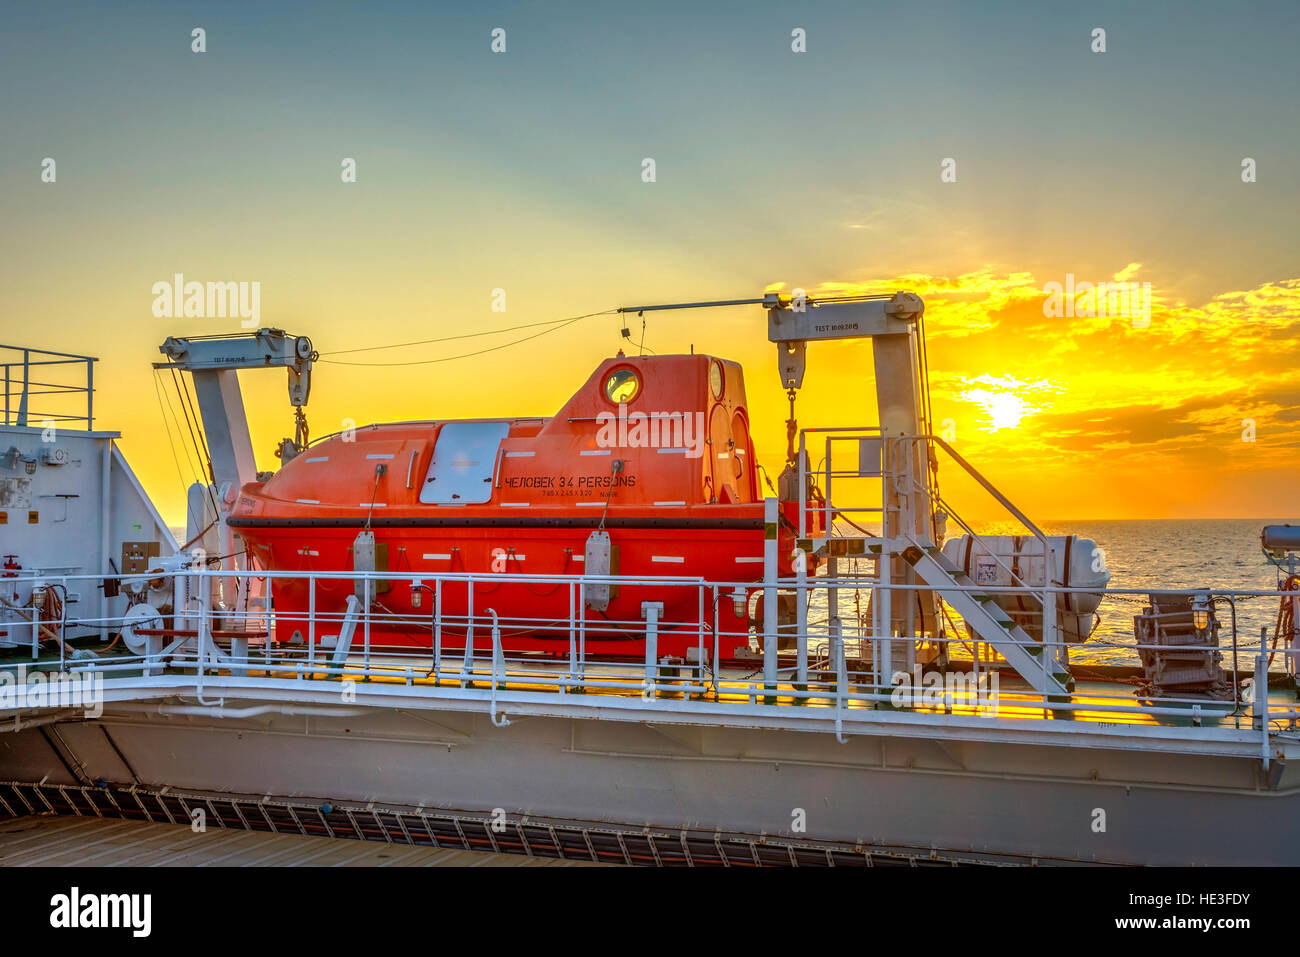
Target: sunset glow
522	173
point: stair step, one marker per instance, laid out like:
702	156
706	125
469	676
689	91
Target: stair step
986	618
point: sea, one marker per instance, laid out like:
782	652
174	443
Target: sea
1155	554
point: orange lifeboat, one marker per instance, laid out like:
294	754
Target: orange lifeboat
653	450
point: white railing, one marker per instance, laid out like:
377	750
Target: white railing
835	675
1045	596
62	398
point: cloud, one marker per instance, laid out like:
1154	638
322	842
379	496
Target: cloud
1128	272
1078	402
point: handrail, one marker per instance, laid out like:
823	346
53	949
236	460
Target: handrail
917	493
832	681
1047	600
904	485
925	489
498	669
988	486
942	503
25	358
520	578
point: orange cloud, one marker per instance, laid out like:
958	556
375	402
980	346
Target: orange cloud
1205	398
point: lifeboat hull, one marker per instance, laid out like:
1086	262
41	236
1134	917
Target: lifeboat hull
425	562
655	450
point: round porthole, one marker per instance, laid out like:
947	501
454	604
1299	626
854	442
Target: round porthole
622	386
715	378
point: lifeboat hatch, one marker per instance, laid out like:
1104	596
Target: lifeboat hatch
464	461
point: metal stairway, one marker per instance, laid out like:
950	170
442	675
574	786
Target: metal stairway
989	621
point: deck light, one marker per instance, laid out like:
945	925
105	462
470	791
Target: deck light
1201	612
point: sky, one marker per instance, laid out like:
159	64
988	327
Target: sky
774	169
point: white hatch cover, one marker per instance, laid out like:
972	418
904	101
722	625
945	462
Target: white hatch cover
464	460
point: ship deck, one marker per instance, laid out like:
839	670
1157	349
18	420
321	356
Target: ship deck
1106	713
629	763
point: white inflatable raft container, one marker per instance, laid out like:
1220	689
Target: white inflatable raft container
1006	561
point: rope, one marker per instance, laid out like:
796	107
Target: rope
555	324
425	342
1285	615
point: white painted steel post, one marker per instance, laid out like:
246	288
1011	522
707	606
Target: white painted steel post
801	617
1049	609
239	652
875	622
832	566
268	619
1259	704
498	671
467	666
770	529
908	513
105	511
803	489
203	625
202	629
834	628
36	623
582	635
180	599
366	621
886	645
883	648
153	648
828	516
650	611
311	622
833	591
437	631
573	641
1259	689
35	630
714	679
699	660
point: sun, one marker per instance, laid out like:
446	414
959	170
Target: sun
1006	409
1002	401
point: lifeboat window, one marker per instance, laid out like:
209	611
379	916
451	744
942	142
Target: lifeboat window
715	378
464	461
622	385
